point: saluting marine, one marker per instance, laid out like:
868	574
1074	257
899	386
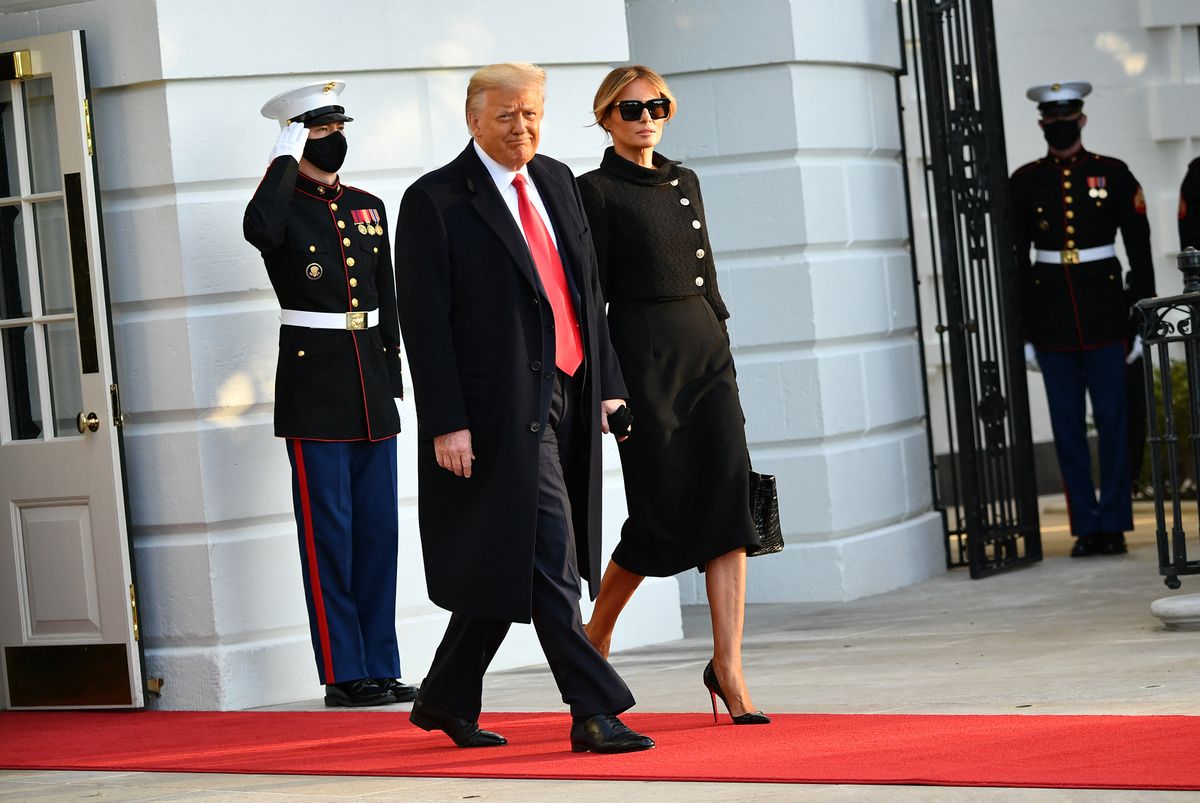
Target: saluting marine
327	254
1076	300
1189	207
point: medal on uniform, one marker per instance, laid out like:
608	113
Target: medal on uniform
1096	187
374	215
357	216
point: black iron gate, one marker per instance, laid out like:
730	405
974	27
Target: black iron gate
990	497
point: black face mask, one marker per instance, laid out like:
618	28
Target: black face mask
327	153
1061	134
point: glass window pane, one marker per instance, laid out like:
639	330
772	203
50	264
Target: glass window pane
42	133
20	370
9	184
14	276
54	257
66	394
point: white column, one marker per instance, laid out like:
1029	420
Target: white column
787	110
178	85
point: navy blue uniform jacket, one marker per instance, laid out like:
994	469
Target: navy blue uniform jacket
1076	204
330	384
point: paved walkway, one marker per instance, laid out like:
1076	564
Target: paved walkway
1061	637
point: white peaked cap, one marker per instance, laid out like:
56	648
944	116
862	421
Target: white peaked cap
1059	92
312	104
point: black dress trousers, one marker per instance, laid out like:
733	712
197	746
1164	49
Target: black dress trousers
588	683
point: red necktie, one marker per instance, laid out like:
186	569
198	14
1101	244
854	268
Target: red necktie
568	349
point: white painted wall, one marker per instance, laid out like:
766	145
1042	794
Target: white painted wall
787	110
177	87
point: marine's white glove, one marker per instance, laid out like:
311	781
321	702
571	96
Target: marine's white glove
1135	353
1031	362
290	143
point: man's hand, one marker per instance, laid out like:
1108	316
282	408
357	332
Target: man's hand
1031	362
610	406
453	452
290	143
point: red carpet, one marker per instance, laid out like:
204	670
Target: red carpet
1101	752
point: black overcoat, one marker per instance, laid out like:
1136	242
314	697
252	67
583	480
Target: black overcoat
479	334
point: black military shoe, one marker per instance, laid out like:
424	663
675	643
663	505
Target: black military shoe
604	733
401	691
460	731
357	694
1086	545
1112	544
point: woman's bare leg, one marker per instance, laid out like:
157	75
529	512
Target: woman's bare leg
616	588
725	580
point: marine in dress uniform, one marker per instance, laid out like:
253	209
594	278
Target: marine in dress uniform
1076	301
1189	207
327	254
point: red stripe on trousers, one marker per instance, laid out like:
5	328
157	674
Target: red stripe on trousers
314	574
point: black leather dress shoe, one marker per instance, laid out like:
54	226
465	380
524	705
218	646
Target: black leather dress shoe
604	733
401	691
1086	545
357	694
1112	544
460	731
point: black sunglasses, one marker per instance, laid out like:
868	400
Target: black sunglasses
632	109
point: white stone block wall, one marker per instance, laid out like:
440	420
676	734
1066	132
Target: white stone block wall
787	110
177	86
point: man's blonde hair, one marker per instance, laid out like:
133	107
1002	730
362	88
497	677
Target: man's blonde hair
513	75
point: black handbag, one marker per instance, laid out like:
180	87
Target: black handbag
764	511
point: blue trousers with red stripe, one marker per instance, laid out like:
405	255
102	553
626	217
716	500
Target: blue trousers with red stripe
1100	373
345	500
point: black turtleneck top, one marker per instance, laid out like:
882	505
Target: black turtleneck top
649	231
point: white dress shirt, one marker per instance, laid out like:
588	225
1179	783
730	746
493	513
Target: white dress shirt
504	183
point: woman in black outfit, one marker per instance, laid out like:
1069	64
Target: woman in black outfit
686	462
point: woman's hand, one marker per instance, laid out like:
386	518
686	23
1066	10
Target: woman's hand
607	407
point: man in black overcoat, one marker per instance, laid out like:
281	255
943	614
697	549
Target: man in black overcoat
514	375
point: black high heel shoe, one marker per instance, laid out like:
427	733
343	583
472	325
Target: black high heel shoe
714	690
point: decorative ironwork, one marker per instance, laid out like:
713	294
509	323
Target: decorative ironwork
991	507
1169	328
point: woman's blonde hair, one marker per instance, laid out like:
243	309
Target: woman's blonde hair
622	77
513	75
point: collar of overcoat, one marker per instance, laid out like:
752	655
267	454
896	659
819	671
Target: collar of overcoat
491	207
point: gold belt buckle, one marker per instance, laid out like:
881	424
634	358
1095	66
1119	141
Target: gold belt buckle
356	320
1070	256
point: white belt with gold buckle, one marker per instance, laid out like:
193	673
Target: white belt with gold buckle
1074	256
329	320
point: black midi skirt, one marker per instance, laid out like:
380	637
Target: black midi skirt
685	463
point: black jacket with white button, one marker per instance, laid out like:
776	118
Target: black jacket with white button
330	384
649	230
